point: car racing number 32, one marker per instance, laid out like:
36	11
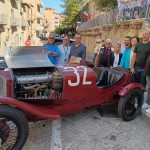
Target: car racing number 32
76	72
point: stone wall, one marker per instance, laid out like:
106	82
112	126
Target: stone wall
115	32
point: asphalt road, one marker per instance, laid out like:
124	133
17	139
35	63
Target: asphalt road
87	130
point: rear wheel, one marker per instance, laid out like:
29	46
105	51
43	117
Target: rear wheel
13	128
130	106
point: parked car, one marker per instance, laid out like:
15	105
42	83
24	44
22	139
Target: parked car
32	88
58	40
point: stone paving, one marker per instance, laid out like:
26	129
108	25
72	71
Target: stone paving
39	136
89	131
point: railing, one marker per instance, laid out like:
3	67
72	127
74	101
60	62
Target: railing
117	15
25	23
39	27
15	21
3	19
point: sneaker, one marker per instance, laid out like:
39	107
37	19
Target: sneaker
148	110
145	106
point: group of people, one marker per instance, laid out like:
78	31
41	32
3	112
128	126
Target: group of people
134	56
59	55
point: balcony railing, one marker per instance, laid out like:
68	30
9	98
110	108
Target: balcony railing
3	19
39	16
15	21
40	3
39	27
117	15
24	23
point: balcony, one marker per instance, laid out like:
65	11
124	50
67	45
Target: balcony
39	27
3	19
39	16
15	21
40	3
24	23
25	2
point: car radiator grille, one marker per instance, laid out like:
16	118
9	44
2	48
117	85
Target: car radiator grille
3	86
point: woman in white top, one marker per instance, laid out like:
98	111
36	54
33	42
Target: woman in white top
134	42
115	56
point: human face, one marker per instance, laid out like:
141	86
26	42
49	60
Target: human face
146	35
78	39
116	49
134	41
51	39
108	44
66	41
127	42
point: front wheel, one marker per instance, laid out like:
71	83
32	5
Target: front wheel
130	106
13	128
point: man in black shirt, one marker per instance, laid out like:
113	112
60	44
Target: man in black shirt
147	70
139	58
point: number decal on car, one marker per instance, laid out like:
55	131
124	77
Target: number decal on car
78	76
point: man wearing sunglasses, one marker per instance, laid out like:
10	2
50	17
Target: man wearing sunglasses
53	50
77	48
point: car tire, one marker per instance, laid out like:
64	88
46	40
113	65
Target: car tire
130	105
19	123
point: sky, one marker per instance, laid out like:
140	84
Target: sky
54	4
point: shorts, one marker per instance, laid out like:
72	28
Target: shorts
148	82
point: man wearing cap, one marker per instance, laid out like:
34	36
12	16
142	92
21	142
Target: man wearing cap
53	50
98	45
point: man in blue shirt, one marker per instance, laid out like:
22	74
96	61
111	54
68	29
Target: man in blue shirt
125	60
52	48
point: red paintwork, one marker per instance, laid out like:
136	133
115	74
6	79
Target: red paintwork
43	112
74	98
129	88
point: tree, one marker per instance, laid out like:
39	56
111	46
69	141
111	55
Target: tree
106	5
64	30
71	9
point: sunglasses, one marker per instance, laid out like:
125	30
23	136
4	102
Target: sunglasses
107	43
77	37
51	38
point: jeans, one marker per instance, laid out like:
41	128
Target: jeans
148	90
139	76
94	56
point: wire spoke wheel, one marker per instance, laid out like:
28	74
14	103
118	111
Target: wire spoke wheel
8	134
130	105
13	128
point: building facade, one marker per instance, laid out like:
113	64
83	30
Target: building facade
54	18
20	19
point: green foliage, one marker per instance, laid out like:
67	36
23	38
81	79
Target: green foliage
64	30
105	5
71	9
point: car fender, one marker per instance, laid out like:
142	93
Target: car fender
127	89
42	112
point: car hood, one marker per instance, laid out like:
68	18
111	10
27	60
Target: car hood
27	57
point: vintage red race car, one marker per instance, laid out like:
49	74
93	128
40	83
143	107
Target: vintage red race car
31	89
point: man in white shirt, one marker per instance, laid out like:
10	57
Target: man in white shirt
64	51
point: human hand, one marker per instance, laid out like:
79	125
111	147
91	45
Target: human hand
132	70
52	54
